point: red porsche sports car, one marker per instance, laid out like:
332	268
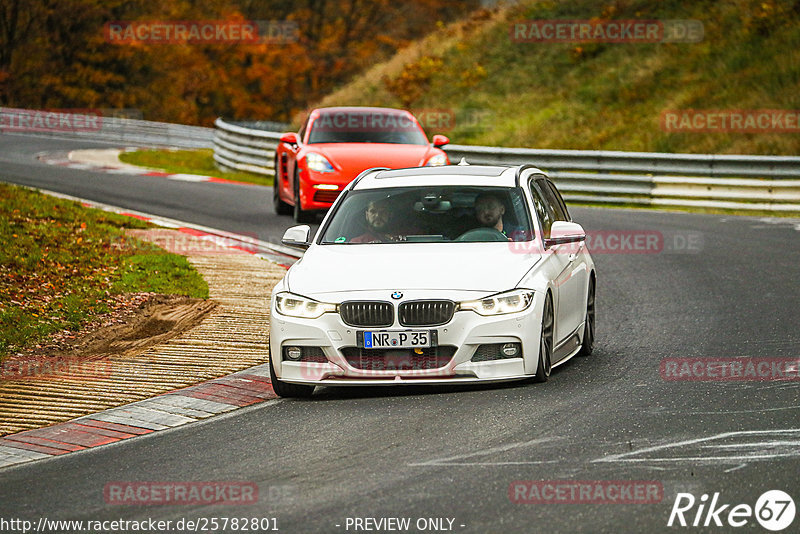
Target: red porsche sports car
336	144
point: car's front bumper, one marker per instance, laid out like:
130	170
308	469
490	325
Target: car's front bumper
314	198
465	332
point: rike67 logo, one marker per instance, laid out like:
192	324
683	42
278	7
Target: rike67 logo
774	510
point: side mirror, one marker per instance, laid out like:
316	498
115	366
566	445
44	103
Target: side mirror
290	138
440	140
297	236
564	232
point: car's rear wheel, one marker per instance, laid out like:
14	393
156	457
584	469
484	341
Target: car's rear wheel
300	215
588	328
545	343
281	207
284	389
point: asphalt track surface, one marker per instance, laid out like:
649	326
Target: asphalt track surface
448	452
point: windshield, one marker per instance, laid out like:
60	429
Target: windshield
366	127
432	214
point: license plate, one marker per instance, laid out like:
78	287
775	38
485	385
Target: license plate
396	339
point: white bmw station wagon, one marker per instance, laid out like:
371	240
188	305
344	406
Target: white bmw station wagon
434	275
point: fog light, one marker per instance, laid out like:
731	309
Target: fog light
511	349
294	353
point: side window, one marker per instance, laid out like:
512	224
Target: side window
543	210
302	133
552	199
559	200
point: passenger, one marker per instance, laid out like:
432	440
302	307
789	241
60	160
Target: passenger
489	211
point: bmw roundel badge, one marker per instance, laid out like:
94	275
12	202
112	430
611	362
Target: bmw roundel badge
397	295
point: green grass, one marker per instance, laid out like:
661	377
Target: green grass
189	162
601	96
61	263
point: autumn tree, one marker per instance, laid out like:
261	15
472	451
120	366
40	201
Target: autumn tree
55	54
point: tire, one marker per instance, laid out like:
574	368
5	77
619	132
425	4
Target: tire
301	216
588	329
281	207
284	389
545	343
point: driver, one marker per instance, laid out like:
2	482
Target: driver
489	211
378	217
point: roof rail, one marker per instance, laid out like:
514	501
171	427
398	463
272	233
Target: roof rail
364	173
522	168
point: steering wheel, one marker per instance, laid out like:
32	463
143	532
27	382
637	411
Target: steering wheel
482	234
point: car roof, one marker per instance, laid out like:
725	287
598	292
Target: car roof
474	175
359	109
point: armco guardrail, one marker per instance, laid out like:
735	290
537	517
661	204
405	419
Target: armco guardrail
652	178
106	128
245	149
769	183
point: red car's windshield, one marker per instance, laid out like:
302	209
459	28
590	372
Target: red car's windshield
366	127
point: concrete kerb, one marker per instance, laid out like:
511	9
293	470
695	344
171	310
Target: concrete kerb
171	407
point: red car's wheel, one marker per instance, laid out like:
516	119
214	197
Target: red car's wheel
300	215
281	207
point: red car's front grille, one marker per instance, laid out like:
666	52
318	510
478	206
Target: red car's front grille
398	359
325	196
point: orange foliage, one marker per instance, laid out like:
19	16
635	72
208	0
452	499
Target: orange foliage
57	55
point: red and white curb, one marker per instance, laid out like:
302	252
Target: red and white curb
106	164
170	410
274	252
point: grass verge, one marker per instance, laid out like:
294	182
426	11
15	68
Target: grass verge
199	161
60	263
496	91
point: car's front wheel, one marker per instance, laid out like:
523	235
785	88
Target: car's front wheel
284	389
281	207
588	328
301	216
545	343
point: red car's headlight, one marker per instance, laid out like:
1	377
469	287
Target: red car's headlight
318	163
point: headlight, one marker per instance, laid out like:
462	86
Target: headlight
317	162
437	160
508	302
302	307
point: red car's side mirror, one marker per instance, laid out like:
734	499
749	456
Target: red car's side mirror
289	138
440	140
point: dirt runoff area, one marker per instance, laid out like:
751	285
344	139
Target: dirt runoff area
137	322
